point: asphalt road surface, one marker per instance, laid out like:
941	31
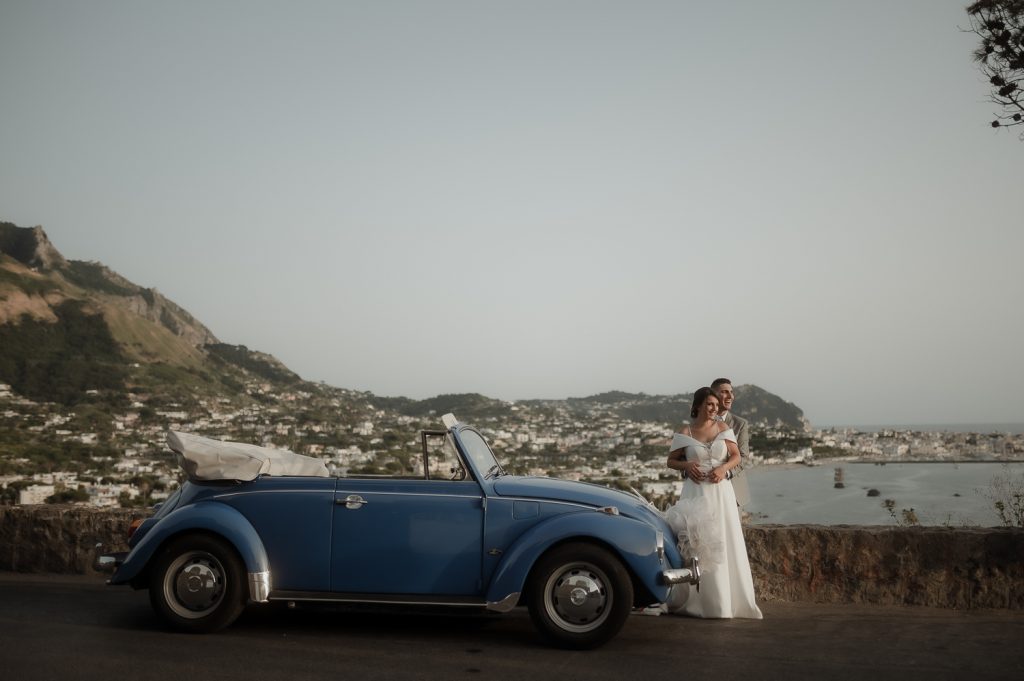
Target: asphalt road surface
65	628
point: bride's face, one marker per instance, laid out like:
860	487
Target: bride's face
710	407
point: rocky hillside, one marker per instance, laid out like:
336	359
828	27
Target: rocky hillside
752	402
74	331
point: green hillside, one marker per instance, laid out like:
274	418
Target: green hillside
62	361
74	332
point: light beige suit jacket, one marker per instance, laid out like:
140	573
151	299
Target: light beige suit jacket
741	427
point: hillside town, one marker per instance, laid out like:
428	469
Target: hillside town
53	454
86	404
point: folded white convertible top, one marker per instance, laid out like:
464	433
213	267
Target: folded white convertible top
207	459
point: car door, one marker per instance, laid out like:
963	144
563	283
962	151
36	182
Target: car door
407	536
293	517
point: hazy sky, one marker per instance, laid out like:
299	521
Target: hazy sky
543	199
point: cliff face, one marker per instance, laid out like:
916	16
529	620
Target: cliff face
152	306
927	566
74	331
71	328
29	246
51	279
39	278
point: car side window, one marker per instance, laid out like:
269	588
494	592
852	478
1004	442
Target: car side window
444	462
396	464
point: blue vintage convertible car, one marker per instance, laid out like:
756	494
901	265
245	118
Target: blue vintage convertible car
457	532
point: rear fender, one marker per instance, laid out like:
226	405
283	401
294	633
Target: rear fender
635	542
205	516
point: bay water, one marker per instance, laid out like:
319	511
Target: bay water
939	493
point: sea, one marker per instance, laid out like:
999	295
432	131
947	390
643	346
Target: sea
953	494
986	428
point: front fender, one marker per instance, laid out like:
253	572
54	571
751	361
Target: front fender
208	516
634	541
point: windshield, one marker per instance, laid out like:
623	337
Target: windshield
479	453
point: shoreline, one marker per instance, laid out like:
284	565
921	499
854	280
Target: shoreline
878	462
1003	427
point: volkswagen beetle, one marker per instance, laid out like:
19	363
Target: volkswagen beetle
253	525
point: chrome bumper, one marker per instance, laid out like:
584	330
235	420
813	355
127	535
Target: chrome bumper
686	575
259	586
505	604
107	562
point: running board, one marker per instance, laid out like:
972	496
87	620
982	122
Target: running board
383	599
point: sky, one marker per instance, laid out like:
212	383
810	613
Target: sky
543	199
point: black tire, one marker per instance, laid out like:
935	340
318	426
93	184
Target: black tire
198	584
579	595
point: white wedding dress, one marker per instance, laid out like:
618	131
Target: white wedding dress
707	523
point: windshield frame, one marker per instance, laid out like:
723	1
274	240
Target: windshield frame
482	460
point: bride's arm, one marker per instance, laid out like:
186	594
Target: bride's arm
720	472
677	461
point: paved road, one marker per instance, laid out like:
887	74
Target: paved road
68	628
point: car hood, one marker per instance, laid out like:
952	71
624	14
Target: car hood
567	490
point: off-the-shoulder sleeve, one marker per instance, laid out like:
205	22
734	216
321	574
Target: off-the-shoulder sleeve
727	434
680	441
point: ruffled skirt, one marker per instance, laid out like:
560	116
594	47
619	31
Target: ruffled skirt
707	525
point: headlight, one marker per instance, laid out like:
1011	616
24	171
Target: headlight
660	544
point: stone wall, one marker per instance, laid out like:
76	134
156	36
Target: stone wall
60	538
932	566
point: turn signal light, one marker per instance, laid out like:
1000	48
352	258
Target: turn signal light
134	526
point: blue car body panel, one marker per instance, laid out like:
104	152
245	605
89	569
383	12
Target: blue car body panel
409	537
634	541
474	539
205	516
293	518
561	490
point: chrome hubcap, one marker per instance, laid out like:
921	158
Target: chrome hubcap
197	586
194	584
577	597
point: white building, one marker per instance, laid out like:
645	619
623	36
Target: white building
35	494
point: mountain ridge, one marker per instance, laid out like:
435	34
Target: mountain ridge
71	329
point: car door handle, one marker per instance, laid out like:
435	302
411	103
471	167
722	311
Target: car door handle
351	501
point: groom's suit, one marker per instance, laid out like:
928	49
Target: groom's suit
741	428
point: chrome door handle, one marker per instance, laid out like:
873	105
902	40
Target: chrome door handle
351	501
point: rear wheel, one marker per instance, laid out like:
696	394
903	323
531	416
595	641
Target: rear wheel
579	595
198	584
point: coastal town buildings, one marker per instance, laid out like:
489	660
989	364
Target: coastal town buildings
124	460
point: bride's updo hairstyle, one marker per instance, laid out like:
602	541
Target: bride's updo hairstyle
699	398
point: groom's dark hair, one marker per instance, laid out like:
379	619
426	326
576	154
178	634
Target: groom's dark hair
720	381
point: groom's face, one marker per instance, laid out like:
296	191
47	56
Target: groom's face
725	396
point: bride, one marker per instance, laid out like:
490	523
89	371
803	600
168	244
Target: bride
706	518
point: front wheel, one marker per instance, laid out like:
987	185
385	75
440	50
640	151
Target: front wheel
197	584
579	595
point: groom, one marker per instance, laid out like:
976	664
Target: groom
722	387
